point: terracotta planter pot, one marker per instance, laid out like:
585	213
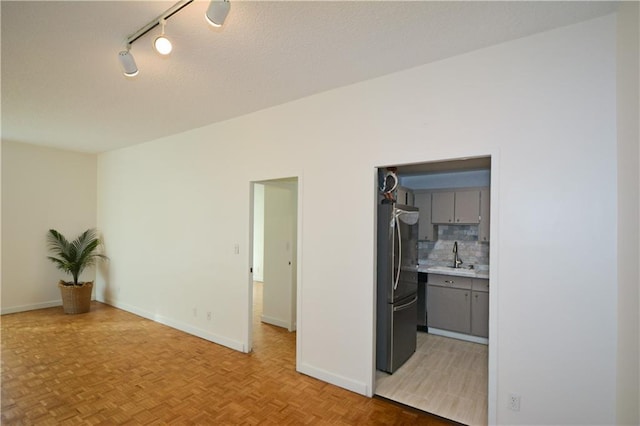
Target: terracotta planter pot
76	299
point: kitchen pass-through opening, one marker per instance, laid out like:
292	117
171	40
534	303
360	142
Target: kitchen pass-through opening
432	286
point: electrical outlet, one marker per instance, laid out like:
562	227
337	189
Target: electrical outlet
208	316
195	312
236	249
514	402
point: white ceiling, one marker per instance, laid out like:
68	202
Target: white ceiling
62	85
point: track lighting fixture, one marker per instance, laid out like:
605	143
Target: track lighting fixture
128	63
216	14
162	44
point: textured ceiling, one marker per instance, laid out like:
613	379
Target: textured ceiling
62	84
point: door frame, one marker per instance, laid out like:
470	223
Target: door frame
492	382
299	284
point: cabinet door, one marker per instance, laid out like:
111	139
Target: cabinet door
442	205
467	207
449	309
480	284
483	227
404	196
411	198
480	314
425	227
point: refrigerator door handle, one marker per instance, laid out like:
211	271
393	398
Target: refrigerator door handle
397	221
406	305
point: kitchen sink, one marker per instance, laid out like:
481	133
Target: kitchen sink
457	271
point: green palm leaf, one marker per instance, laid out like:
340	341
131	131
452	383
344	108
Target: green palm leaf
73	257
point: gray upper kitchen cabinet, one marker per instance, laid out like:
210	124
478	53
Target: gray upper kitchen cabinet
467	207
459	207
480	308
404	196
422	200
442	207
483	226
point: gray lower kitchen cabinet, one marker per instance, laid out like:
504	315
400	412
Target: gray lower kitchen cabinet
480	314
449	308
458	304
480	307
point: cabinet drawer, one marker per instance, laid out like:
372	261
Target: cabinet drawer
463	283
480	285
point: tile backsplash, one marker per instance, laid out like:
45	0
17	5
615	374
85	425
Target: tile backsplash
440	252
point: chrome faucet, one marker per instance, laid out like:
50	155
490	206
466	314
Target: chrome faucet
456	259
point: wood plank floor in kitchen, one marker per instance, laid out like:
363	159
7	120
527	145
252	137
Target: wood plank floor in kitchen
445	376
112	367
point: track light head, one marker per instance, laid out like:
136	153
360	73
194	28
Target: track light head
217	12
128	63
162	44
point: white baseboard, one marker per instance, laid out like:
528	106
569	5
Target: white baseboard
334	379
178	325
31	307
275	321
459	336
326	376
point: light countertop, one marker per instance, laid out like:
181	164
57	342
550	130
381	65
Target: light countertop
458	272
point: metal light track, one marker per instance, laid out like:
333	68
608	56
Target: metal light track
155	22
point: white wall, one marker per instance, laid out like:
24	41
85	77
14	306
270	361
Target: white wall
542	106
628	390
42	188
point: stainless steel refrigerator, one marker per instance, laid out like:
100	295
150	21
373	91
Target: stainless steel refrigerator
397	293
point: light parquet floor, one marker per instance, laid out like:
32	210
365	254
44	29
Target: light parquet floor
111	367
445	376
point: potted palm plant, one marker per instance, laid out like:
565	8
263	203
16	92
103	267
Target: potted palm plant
73	257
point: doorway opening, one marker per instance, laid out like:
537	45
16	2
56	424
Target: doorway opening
450	372
273	252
